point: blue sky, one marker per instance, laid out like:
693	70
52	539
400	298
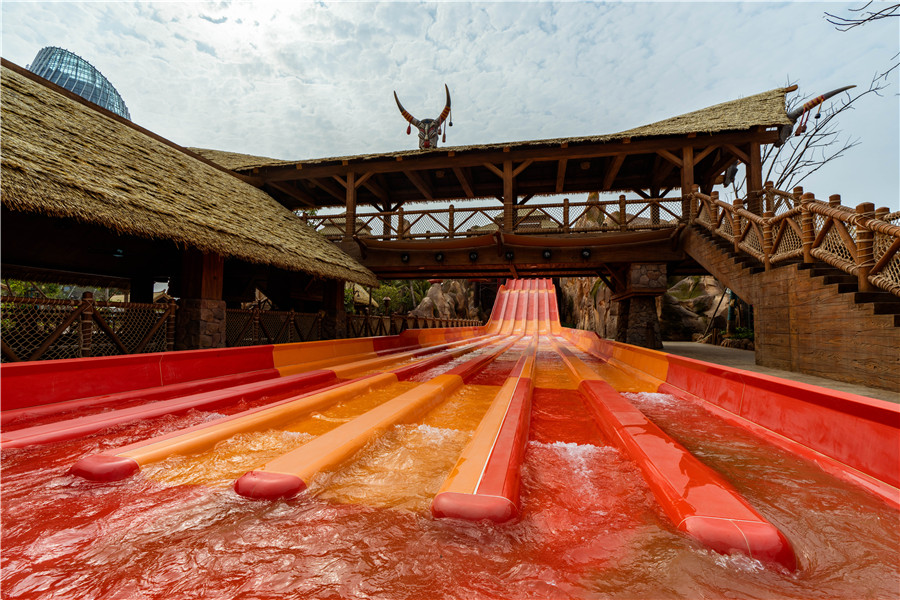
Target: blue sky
300	80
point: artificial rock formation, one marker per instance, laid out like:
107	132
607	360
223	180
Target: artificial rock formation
449	299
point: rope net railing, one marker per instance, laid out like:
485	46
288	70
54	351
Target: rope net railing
863	241
46	329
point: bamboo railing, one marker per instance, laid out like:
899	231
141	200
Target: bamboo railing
796	226
373	325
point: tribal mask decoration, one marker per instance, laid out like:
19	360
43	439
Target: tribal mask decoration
429	129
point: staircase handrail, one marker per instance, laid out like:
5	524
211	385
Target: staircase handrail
856	241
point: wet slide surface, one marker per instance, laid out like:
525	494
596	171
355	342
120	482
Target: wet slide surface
587	522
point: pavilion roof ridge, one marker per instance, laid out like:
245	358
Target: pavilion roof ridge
765	109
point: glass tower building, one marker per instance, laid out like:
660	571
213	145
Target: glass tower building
77	75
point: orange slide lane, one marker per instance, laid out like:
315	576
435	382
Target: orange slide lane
290	473
484	484
697	499
122	462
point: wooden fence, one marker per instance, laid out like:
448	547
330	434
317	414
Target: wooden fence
43	329
796	226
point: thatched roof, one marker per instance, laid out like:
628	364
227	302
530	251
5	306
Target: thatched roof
766	110
62	158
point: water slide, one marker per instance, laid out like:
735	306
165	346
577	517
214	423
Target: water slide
327	401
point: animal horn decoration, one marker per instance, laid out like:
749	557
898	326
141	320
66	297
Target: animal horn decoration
800	111
429	129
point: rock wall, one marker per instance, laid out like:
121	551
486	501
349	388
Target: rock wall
684	310
450	299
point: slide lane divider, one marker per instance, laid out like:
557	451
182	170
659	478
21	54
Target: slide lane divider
281	386
124	461
698	500
485	482
290	473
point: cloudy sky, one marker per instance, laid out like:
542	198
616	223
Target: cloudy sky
301	80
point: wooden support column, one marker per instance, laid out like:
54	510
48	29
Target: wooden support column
754	179
201	316
350	225
687	181
807	224
334	322
509	200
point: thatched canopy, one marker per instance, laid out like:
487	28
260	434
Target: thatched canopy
63	158
616	162
760	110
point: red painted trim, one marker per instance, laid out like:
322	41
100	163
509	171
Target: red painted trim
152	394
62	380
74	428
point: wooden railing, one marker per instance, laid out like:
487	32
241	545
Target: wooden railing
557	218
252	327
796	226
43	329
370	325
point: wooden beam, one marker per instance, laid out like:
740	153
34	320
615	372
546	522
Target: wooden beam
350	224
739	153
641	193
561	174
613	171
363	178
294	191
420	183
522	167
465	180
704	153
671	157
478	157
509	200
687	180
493	169
754	180
377	190
329	187
525	199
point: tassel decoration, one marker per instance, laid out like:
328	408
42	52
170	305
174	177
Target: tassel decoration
409	129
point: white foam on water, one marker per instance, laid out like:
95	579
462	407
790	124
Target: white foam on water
436	434
578	456
737	562
652	398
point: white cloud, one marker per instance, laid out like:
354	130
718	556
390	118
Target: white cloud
300	80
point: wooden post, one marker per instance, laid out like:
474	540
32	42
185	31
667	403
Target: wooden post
401	224
687	181
170	326
807	224
736	223
798	195
754	179
509	202
450	221
865	248
834	200
881	212
87	324
713	201
695	202
767	238
770	196
623	219
350	225
566	225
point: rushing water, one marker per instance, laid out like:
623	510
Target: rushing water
589	526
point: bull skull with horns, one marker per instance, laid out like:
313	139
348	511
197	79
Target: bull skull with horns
429	129
795	114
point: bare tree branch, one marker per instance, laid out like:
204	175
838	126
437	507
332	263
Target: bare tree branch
866	16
